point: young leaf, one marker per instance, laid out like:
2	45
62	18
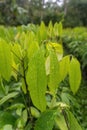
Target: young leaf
55	29
35	113
57	48
54	77
37	80
32	49
46	121
50	29
17	53
43	32
60	28
74	75
64	67
73	124
5	60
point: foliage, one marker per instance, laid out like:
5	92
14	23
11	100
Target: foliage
30	78
13	14
76	13
75	43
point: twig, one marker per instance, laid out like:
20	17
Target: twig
16	55
17	72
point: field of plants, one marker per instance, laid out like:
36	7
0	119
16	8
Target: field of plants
43	73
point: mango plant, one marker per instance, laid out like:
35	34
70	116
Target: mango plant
31	70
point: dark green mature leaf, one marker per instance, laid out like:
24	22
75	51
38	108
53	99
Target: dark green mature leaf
5	60
46	121
54	77
6	118
28	127
37	80
74	75
74	125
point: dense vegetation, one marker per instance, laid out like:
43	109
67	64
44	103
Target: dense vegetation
75	42
39	80
18	12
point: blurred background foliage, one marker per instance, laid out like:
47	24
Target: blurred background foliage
18	12
72	13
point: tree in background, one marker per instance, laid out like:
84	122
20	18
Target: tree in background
17	12
76	13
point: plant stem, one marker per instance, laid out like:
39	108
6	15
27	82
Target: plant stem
65	117
27	95
17	72
16	55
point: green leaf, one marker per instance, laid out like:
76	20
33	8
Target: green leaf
74	75
42	32
28	127
55	29
37	80
35	113
5	60
32	49
57	48
6	118
64	67
17	52
73	124
7	127
60	28
23	86
60	121
54	77
46	121
7	97
50	29
25	116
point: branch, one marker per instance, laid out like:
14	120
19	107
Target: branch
17	72
16	55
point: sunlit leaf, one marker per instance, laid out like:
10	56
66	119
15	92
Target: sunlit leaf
74	75
5	60
37	81
64	67
32	49
54	77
